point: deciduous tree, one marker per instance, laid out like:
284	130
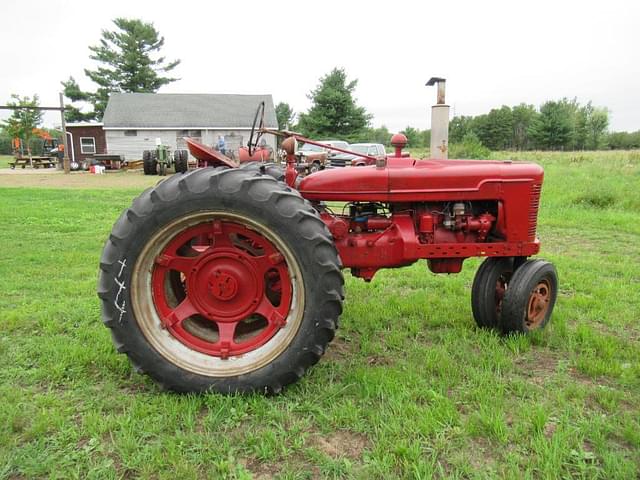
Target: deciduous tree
553	128
414	138
523	116
285	115
22	122
597	123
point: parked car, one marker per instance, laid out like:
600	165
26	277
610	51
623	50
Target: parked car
375	150
313	157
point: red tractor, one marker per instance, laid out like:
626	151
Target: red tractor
229	278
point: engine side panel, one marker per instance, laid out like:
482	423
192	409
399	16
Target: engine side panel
497	204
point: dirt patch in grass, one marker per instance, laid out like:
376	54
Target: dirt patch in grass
340	348
344	349
587	380
481	454
260	470
550	428
537	366
340	444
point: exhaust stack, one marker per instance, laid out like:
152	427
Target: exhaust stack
439	121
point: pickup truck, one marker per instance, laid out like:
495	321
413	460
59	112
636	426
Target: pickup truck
312	157
376	150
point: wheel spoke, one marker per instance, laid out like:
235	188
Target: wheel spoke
226	332
271	314
269	261
176	262
180	313
221	239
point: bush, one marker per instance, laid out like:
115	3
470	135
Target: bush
470	147
596	199
5	145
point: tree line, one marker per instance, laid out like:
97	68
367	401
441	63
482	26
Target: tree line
557	125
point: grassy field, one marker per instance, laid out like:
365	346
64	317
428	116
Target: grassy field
408	389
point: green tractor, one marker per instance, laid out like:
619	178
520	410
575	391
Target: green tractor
158	161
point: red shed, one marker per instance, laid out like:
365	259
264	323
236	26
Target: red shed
85	140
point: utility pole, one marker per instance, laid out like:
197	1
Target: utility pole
65	159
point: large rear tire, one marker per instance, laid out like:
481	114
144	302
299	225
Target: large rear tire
272	169
149	163
181	160
223	280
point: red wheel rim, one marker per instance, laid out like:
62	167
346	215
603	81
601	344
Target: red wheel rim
221	288
538	304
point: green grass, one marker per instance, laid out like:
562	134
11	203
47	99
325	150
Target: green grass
4	161
408	389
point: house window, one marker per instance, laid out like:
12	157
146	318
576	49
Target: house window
193	134
87	145
130	133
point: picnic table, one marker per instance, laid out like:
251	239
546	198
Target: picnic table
34	161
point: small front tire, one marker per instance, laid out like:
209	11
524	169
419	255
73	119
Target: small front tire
488	290
530	297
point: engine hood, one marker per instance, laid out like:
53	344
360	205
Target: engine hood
407	179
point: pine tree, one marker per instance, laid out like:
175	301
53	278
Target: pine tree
334	112
128	63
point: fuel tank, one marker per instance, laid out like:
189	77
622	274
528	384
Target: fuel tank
406	179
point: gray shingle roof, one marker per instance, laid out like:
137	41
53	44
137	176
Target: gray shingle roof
185	110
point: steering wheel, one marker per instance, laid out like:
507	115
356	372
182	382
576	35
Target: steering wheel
258	135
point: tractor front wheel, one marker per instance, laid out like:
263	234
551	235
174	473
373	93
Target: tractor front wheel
223	280
488	290
530	298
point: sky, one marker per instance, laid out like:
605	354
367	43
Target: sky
492	53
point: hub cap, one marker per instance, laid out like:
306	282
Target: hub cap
538	304
221	288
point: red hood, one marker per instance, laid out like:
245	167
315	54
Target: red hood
407	179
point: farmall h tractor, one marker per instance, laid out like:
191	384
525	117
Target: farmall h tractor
229	278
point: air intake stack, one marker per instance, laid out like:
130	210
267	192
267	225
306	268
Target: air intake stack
439	121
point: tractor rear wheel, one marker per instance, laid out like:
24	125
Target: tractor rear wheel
149	163
181	160
488	290
272	169
222	280
530	298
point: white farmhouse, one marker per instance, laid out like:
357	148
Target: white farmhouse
133	121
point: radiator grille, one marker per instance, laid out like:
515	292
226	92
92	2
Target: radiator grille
533	210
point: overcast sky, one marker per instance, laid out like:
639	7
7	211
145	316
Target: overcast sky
492	53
